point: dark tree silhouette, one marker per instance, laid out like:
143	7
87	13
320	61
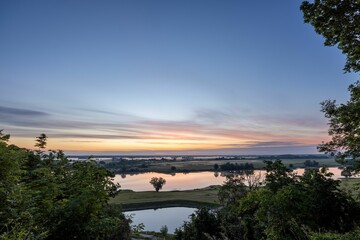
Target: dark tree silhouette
158	183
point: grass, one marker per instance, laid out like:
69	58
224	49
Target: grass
130	200
208	165
150	199
352	186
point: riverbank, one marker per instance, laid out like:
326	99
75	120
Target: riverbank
197	165
352	186
130	200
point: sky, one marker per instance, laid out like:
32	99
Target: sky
166	77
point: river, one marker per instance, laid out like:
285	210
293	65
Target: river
186	181
173	217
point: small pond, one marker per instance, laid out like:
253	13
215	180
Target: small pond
154	219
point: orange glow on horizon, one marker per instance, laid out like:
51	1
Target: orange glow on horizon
125	145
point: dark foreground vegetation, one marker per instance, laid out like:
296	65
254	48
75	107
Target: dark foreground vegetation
312	206
43	196
284	206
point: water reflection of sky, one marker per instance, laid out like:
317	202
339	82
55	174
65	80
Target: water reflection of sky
181	181
155	219
334	170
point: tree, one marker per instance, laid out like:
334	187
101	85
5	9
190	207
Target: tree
311	163
344	127
278	175
16	219
338	22
329	206
236	186
4	137
295	208
164	231
203	223
41	141
346	173
158	183
43	196
233	190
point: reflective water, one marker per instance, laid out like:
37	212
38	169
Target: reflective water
173	217
154	219
181	181
334	170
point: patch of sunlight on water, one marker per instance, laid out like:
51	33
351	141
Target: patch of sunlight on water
154	219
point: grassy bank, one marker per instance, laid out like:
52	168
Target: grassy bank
351	185
130	200
150	199
208	165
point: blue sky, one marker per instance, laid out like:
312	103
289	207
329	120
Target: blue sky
154	77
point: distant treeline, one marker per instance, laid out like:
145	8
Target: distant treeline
311	163
290	156
126	165
190	158
236	167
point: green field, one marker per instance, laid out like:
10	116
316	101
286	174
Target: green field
352	186
130	200
208	165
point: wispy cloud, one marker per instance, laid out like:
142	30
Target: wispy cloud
309	149
215	129
82	141
92	136
19	112
275	144
258	144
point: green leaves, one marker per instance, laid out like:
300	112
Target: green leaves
203	223
43	195
4	137
288	206
338	21
278	175
157	182
344	128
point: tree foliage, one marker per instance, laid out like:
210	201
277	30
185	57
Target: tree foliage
41	141
43	196
157	183
311	163
236	167
311	206
344	127
164	230
287	206
278	175
203	223
338	21
238	185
